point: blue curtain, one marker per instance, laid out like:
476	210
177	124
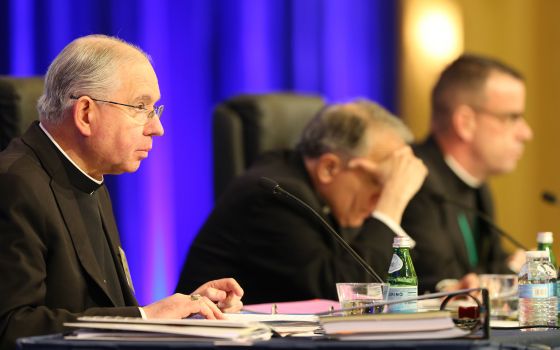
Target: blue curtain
205	51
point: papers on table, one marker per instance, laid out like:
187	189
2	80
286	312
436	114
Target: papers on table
298	325
137	329
434	304
420	325
248	327
312	306
271	318
504	323
439	334
293	318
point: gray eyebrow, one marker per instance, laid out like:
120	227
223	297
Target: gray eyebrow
143	98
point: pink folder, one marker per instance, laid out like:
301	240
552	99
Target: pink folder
312	306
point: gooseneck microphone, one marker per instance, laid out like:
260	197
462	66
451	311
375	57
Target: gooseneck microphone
483	216
276	189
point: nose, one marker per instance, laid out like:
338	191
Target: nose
154	127
524	131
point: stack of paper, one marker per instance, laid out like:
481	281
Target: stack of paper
137	329
293	325
420	325
293	318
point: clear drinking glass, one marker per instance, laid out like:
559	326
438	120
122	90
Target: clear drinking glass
352	295
502	290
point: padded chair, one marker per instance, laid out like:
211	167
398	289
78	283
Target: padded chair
247	125
18	101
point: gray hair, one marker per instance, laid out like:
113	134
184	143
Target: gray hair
86	66
341	129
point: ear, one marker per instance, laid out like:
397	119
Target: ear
328	165
83	113
464	122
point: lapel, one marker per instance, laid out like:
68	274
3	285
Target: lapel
486	202
65	197
486	231
112	235
443	181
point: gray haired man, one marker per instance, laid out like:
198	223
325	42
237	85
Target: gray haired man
354	167
60	254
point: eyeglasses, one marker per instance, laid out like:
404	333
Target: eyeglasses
505	117
146	113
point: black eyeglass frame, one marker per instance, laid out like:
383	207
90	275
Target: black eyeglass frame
157	110
505	117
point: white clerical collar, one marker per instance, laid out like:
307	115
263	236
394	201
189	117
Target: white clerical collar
461	173
99	182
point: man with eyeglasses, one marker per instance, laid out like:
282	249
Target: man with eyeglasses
477	131
60	254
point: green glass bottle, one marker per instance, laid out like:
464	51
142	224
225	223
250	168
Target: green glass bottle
403	283
544	242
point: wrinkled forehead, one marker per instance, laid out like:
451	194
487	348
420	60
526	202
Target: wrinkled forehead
137	81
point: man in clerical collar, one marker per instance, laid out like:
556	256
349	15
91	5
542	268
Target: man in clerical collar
353	166
60	253
477	131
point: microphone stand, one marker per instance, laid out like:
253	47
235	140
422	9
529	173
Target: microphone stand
277	189
483	216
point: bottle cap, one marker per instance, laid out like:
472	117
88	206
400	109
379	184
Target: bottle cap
535	254
402	242
545	237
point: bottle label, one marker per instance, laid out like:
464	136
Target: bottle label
558	295
539	290
396	264
403	292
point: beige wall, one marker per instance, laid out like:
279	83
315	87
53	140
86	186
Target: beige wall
525	34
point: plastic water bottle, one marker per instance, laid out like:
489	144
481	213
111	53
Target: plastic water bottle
537	291
544	242
402	279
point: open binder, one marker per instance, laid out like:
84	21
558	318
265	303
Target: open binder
470	322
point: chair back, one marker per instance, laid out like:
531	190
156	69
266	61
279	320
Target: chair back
18	105
247	125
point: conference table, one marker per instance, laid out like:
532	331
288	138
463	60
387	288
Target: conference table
499	339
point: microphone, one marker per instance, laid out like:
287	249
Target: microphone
481	215
276	189
549	197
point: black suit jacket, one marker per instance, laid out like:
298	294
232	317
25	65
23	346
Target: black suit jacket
275	249
48	268
440	250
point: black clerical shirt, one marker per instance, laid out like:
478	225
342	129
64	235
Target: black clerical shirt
87	195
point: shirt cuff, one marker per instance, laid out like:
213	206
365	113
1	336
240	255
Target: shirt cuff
143	313
396	228
445	284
